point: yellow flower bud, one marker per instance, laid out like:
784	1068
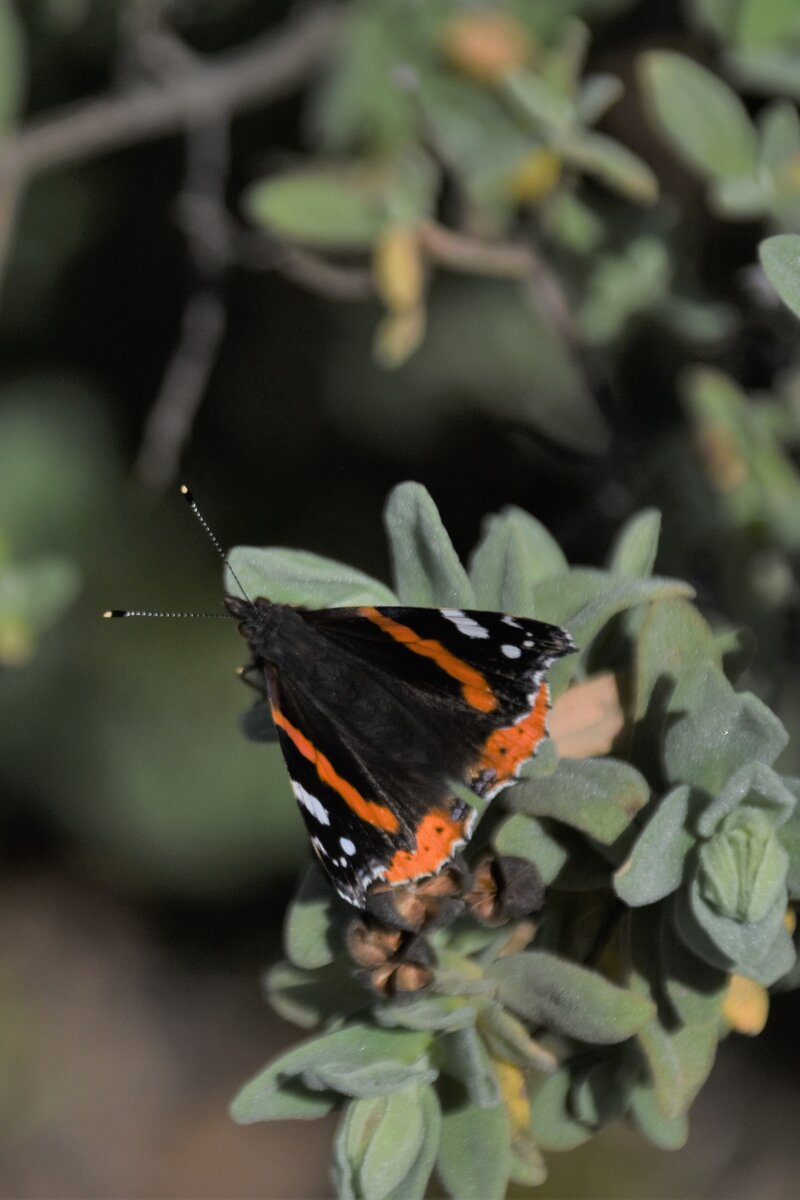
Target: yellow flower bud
511	1081
398	268
746	1005
535	177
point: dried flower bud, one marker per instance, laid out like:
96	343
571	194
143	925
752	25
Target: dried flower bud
425	904
486	44
504	888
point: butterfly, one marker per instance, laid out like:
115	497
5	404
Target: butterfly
379	711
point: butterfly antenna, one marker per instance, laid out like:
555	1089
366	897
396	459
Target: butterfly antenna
190	500
131	612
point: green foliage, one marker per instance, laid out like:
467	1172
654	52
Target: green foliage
666	865
780	258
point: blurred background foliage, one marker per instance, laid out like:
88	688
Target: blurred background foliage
294	255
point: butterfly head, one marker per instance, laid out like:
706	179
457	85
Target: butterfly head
256	617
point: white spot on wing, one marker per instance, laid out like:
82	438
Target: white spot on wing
528	645
510	621
310	803
348	846
511	651
466	625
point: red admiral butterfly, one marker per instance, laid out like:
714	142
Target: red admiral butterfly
379	711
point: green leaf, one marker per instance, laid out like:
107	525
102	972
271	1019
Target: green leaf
306	998
598	94
360	100
683	700
299	577
463	1056
600	1089
427	569
679	1042
536	99
307	929
441	1013
655	866
535	840
386	1145
718	731
703	118
789	835
612	163
766	23
552	1117
317	209
569	998
742	869
584	601
599	796
668	1133
474	1160
636	545
268	1097
729	944
507	1038
780	258
12	65
756	786
514	552
355	1060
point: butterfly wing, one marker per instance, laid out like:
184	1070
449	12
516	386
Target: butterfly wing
400	702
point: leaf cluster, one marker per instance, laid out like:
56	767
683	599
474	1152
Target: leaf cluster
668	862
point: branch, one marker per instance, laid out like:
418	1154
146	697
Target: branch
506	260
264	70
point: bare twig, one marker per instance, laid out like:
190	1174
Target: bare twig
256	250
182	388
204	219
262	71
505	260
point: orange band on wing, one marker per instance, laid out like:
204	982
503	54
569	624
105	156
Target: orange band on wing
437	836
374	814
507	749
474	687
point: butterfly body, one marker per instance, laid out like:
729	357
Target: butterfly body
379	711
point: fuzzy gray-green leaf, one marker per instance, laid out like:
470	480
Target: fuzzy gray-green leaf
474	1160
636	545
299	577
427	570
359	1057
463	1057
515	551
557	1128
727	943
386	1145
599	796
668	1133
307	928
780	258
569	998
655	866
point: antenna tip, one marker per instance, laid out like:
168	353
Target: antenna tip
115	612
185	492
